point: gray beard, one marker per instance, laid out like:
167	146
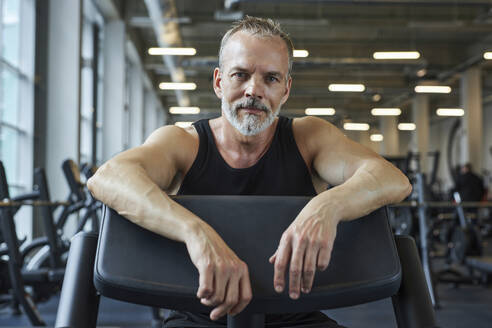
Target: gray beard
250	124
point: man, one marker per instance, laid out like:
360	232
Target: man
250	150
469	185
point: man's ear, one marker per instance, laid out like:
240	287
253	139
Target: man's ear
287	90
217	82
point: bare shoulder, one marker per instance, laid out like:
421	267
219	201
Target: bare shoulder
177	144
310	131
172	134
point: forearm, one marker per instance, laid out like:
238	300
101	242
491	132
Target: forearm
374	184
126	187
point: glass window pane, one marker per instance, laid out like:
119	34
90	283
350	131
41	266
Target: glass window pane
9	140
10	31
9	96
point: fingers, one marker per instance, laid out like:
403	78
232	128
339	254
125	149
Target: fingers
230	299
273	257
295	272
206	287
245	294
237	296
309	269
222	275
307	256
281	261
324	257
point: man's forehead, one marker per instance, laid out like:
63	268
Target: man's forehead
244	49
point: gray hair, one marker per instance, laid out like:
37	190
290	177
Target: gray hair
261	27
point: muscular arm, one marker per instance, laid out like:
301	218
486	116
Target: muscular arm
363	182
132	183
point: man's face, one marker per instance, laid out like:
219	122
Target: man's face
253	81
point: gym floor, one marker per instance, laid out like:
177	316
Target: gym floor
465	306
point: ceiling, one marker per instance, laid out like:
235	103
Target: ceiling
340	36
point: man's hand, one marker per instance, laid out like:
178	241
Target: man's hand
305	246
224	278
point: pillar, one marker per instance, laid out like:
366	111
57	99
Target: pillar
389	145
420	113
136	106
114	89
63	99
472	122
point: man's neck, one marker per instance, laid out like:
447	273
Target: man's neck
238	149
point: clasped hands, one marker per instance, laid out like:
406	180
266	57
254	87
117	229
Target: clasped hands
224	284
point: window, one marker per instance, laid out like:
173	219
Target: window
91	85
16	79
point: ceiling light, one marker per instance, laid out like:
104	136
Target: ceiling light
183	124
396	55
184	110
406	126
346	87
320	111
173	51
450	112
301	53
421	72
376	97
432	89
386	111
376	137
356	126
177	86
488	55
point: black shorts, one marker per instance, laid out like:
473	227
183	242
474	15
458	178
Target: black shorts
181	319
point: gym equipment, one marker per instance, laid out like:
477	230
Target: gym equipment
78	198
42	281
151	270
462	240
77	202
40	263
465	238
401	220
466	245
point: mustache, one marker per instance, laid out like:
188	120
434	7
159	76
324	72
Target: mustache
252	103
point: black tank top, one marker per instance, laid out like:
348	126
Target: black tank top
281	171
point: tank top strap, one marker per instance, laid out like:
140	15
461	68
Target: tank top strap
203	148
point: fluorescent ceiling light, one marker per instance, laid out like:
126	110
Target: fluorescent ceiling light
432	89
406	126
177	86
183	124
386	111
346	87
356	126
450	112
488	55
320	111
396	55
173	51
376	137
184	110
301	53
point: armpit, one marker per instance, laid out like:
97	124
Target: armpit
319	184
175	184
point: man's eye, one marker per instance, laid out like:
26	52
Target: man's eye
239	75
272	79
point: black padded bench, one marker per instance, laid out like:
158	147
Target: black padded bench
138	266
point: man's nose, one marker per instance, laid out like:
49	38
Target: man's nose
254	88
